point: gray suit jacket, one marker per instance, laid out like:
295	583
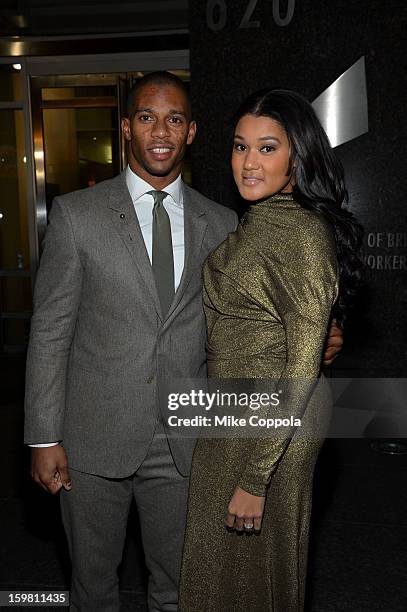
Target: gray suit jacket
99	345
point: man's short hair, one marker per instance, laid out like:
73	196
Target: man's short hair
160	77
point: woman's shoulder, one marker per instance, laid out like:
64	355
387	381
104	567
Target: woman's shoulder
283	217
311	232
315	224
290	229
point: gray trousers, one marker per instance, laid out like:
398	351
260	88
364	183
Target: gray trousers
95	514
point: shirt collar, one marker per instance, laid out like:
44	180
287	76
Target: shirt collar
138	187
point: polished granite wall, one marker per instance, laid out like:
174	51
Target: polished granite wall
322	40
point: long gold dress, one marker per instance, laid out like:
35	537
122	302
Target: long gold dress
268	293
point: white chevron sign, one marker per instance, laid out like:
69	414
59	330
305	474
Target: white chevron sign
342	107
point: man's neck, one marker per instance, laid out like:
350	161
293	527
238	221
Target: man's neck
157	182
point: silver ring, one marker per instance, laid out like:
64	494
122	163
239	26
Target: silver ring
248	525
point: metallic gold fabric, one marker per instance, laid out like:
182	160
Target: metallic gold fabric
268	293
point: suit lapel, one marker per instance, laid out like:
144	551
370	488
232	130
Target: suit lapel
120	210
122	215
195	225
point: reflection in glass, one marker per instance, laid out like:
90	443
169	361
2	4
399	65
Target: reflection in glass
81	145
15	307
15	294
14	247
79	92
14	335
10	83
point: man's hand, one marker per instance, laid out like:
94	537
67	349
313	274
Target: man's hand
333	344
245	511
49	468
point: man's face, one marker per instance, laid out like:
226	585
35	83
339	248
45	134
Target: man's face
158	133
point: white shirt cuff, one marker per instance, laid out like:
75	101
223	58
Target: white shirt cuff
45	445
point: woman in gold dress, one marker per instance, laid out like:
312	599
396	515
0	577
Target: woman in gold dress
270	291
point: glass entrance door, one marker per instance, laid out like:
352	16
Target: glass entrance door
15	285
76	129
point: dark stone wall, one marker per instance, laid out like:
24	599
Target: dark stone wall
322	40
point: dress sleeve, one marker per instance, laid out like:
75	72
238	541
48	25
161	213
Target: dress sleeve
300	269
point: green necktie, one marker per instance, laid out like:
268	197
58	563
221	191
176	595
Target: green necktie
162	253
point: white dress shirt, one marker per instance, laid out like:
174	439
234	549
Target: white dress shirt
143	205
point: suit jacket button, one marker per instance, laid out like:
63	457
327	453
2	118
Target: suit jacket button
122	216
150	379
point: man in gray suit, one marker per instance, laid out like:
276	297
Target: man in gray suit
118	310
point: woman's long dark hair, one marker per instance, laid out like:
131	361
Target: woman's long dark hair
318	179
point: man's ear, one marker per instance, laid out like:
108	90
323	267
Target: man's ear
191	132
125	124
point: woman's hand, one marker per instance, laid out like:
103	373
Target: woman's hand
245	511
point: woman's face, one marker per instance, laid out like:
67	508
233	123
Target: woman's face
261	158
